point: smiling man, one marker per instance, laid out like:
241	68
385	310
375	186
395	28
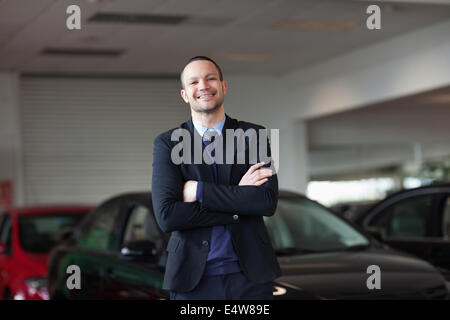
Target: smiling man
219	247
204	89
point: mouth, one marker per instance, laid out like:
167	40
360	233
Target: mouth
206	96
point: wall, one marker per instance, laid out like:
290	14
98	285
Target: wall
10	134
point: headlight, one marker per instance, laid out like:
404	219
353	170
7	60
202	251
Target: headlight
37	283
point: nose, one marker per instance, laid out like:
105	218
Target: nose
203	84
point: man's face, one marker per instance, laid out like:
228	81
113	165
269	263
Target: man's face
203	89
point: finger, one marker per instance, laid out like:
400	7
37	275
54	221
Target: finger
260	182
255	167
258	175
265	172
255	180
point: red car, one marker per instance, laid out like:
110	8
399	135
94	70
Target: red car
26	237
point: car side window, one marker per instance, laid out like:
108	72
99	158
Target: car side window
446	224
142	226
6	233
99	232
407	218
2	217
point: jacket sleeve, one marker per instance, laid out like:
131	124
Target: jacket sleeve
246	200
172	214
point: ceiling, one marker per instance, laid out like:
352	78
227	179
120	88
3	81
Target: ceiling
245	36
420	118
380	135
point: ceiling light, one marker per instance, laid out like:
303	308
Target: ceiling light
131	18
80	52
437	99
316	25
95	1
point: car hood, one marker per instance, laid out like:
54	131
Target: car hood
36	263
41	258
344	275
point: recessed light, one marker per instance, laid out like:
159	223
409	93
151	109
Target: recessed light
316	25
82	52
137	18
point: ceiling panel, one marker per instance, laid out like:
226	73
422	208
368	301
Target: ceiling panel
26	30
131	6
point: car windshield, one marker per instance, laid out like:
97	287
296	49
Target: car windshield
39	234
303	226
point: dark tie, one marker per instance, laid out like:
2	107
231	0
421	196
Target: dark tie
207	142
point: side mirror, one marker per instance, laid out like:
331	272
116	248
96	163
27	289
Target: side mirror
374	233
65	235
140	250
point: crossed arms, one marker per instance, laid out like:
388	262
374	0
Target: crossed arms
174	201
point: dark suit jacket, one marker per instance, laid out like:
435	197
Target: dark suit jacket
240	208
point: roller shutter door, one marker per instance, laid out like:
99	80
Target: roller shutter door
86	139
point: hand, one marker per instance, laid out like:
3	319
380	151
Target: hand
255	177
190	191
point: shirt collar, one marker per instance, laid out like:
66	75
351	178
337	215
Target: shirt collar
201	129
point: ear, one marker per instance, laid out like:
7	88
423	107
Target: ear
225	87
184	95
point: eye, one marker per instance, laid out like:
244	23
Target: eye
194	82
212	78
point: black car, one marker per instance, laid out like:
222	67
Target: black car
352	211
121	254
415	221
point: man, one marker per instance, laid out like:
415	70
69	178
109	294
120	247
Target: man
219	247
